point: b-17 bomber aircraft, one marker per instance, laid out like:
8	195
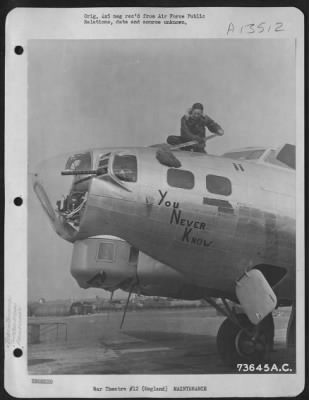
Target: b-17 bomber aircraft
162	221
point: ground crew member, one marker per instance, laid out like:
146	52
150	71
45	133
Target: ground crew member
193	127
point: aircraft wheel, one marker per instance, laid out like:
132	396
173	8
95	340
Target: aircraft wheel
235	345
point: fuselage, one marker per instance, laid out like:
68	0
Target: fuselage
211	219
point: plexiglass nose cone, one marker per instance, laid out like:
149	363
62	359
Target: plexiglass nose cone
63	197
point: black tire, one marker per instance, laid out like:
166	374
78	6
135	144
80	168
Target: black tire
226	338
268	327
231	340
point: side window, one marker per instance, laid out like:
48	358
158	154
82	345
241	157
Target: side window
125	168
180	178
106	252
103	164
218	185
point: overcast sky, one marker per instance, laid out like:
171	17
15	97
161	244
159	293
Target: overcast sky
133	92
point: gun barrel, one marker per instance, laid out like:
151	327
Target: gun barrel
81	172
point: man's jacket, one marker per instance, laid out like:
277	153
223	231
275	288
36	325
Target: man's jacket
193	128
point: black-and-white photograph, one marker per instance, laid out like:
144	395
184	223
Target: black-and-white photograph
161	207
175	201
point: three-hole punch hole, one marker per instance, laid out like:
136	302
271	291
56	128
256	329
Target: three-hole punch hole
19	50
18	201
17	352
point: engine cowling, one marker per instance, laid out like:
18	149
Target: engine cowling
110	263
104	262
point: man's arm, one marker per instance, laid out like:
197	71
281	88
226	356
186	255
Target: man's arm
186	134
213	126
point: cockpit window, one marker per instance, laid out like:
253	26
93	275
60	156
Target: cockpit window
125	167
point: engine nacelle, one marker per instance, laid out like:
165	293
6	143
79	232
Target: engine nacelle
110	263
104	262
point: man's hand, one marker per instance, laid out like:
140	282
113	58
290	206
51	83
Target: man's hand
199	139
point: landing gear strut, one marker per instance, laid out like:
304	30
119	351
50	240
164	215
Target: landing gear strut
243	342
291	331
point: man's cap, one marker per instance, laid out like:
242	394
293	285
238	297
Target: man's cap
198	106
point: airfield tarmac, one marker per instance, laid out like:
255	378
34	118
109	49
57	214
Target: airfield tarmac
174	341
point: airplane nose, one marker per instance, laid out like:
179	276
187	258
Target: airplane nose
58	195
